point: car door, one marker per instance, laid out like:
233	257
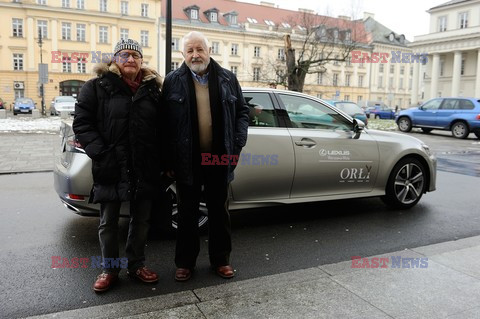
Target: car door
426	115
446	111
329	160
266	164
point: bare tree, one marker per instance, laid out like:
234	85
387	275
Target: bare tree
317	41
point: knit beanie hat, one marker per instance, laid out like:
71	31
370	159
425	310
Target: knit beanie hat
128	44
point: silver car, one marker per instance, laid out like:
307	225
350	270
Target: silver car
299	149
62	104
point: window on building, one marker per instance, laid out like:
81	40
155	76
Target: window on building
42	2
18	61
335	34
81	32
234	49
194	14
270	23
320	78
442	67
124	7
215	47
256	52
123	34
410	84
252	20
42	28
360	80
144	10
400	83
335	79
348	61
463	19
81	4
231	18
175	44
65	3
286	25
411	71
392	68
82	66
442	24
402	69
462	67
234	69
17	26
336	62
103	5
175	65
381	67
66	31
213	16
103	34
390	83
346	97
67	65
281	54
359	98
347	79
256	74
144	38
380	81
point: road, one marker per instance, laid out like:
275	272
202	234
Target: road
35	227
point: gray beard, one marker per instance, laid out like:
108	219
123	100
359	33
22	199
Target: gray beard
199	68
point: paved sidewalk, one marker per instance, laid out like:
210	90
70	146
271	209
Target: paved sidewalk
27	152
449	287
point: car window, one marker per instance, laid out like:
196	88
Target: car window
432	104
449	104
65	99
349	108
465	105
262	112
307	113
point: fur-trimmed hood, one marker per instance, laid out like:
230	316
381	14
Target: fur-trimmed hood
148	73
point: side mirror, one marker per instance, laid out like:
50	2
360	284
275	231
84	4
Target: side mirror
358	127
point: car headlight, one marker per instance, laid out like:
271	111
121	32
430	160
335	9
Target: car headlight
427	150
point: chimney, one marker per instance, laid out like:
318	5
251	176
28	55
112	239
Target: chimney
367	15
267	4
306	10
344	18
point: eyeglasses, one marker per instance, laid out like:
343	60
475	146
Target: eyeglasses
126	55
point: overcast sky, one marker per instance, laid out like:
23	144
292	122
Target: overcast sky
408	16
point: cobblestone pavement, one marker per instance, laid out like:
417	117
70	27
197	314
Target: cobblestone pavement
27	152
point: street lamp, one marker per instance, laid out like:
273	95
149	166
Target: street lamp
40	70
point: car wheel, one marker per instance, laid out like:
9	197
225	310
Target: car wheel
165	213
406	184
460	130
426	130
377	116
404	124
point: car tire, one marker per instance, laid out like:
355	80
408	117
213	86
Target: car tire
426	130
406	184
404	124
377	116
460	130
165	213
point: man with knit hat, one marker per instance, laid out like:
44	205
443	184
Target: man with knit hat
115	123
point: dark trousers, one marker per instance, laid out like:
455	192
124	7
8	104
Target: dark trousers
137	232
219	234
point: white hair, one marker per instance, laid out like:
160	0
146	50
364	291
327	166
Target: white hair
195	35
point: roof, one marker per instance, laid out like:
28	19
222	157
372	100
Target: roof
261	13
380	33
449	3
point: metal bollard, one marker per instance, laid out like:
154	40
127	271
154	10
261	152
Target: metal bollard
3	114
35	114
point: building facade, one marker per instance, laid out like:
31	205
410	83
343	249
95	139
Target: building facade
453	47
75	34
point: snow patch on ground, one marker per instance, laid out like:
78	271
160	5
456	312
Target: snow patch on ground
30	125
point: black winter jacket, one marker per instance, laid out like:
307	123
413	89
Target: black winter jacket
178	113
118	131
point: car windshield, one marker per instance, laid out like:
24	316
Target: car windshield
65	99
349	108
23	101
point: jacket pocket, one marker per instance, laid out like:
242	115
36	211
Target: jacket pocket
106	169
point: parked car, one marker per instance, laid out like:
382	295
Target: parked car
351	109
380	112
23	105
63	104
299	149
2	104
457	114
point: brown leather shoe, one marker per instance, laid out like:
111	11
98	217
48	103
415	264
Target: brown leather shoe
104	281
144	274
183	274
226	271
